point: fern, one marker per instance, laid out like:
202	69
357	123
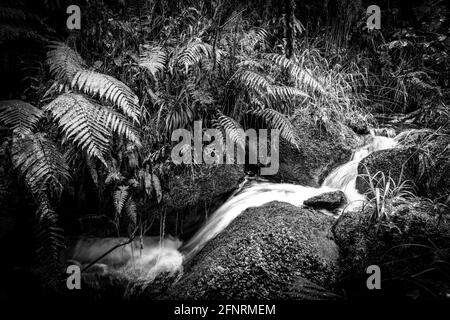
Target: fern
64	62
88	124
301	76
278	121
108	88
153	59
17	113
50	239
68	67
120	196
81	120
253	81
40	162
232	129
194	52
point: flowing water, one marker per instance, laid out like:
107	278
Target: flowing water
166	255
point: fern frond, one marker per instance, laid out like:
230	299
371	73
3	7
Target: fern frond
120	196
50	239
286	93
64	62
232	129
40	162
253	81
108	88
153	59
194	52
118	124
278	121
82	121
67	66
17	113
302	77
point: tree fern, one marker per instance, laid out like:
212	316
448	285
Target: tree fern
17	113
278	121
40	162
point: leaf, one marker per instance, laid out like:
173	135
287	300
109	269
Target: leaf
120	196
153	59
40	162
17	113
232	129
278	121
81	121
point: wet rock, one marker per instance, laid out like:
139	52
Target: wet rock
400	164
191	193
277	251
318	154
410	247
423	159
327	200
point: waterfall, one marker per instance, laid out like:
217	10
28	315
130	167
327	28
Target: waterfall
259	193
166	255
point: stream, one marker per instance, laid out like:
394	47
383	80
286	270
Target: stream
169	254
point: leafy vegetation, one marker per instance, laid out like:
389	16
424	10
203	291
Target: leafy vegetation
91	111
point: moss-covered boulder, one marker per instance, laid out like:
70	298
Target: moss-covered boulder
191	193
400	164
423	158
318	154
277	251
411	247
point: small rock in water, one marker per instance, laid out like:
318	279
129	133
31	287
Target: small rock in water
327	200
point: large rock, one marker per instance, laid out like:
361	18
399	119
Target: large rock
190	194
410	247
423	159
328	200
318	154
277	251
401	164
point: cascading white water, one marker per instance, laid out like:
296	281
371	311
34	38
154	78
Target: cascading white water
259	193
166	255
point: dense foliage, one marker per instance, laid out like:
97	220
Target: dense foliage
92	111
